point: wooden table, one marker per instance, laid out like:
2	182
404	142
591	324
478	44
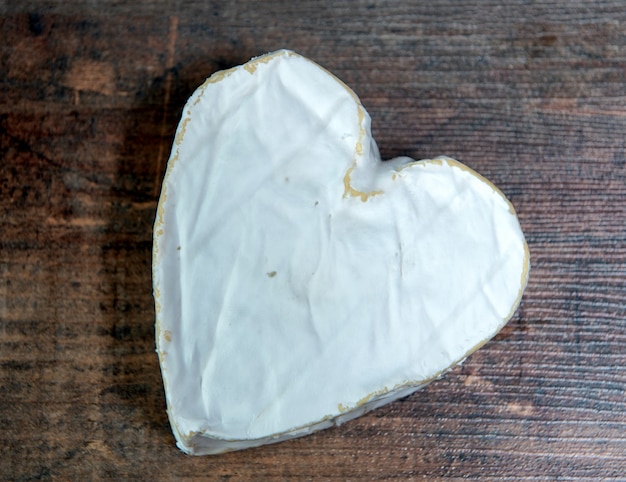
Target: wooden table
531	95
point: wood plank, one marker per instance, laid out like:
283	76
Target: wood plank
532	95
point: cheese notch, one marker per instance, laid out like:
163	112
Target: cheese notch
301	281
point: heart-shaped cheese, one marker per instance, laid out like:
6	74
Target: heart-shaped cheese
300	281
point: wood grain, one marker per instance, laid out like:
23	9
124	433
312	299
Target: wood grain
532	95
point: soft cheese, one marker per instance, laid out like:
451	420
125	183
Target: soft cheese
299	280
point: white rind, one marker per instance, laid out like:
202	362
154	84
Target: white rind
299	281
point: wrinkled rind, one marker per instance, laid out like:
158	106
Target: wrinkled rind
204	440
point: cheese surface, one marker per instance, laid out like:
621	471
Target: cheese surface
299	280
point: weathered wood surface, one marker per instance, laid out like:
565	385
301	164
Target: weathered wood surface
532	95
